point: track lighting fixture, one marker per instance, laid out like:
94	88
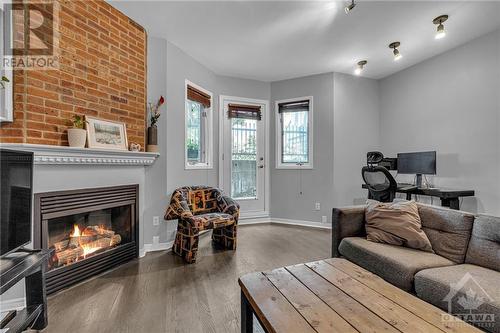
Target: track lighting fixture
440	33
397	54
350	7
359	68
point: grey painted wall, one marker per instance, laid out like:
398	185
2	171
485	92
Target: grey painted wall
450	96
231	86
168	68
317	184
180	67
356	131
346	126
451	104
156	175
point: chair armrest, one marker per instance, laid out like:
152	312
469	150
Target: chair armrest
346	222
178	209
228	205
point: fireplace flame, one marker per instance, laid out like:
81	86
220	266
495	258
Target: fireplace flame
89	249
76	231
84	242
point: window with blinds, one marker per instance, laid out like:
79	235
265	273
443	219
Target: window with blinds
198	132
244	111
294	138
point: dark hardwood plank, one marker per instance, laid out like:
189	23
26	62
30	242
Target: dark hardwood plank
271	307
159	293
356	314
385	308
319	315
422	309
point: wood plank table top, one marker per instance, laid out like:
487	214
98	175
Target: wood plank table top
335	295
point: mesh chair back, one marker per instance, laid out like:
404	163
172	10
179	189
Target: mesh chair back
381	184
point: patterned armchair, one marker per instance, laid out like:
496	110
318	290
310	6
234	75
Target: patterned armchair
201	208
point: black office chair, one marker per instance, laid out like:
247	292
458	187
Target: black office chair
381	184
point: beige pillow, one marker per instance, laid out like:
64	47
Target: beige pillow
396	223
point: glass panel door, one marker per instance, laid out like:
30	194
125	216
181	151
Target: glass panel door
243	164
243	158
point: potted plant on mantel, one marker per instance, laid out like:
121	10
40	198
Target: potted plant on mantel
77	136
154	112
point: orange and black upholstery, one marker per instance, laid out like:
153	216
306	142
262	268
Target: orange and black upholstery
199	208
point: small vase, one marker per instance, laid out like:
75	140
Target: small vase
77	137
152	139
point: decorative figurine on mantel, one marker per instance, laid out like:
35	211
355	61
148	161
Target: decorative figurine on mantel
154	114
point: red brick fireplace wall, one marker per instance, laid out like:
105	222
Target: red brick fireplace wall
102	74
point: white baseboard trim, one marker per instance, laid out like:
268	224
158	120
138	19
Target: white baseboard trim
310	224
12	304
249	221
254	215
254	220
155	247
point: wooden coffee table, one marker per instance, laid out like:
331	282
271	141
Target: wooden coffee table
335	295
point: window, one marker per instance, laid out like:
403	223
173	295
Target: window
198	139
294	134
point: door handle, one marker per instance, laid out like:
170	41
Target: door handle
261	167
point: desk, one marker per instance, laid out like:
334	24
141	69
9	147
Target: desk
449	197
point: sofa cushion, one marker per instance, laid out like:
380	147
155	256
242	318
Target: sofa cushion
448	231
462	289
396	223
484	245
212	221
394	264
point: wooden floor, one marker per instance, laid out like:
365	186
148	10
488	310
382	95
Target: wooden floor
158	293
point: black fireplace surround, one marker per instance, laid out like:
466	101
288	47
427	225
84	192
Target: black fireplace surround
90	230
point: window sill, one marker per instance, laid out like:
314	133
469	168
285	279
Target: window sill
198	167
246	199
294	167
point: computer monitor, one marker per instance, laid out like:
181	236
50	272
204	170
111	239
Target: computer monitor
418	163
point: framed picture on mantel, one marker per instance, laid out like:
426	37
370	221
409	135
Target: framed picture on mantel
106	134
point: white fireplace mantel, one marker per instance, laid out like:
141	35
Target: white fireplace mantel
46	154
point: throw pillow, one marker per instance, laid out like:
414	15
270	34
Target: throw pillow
396	223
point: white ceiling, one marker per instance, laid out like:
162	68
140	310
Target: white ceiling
275	40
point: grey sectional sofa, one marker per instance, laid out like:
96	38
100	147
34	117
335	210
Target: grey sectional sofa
461	277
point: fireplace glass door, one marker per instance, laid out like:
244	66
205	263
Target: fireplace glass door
81	236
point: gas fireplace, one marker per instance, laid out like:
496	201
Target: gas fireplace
89	230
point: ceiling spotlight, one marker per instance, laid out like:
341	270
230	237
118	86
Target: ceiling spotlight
350	7
441	33
395	46
361	65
